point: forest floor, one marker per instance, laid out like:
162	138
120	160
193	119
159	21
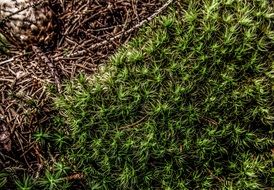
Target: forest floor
88	33
187	103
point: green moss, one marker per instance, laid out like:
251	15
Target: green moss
3	44
188	104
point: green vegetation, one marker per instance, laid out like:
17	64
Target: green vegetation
3	44
188	104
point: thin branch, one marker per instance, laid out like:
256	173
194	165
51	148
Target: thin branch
50	65
7	61
133	124
105	42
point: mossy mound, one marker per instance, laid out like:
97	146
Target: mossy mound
188	104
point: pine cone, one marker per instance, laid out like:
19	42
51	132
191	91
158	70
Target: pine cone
27	22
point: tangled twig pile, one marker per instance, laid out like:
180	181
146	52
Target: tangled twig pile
89	31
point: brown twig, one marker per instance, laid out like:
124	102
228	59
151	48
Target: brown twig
53	71
76	176
133	124
105	42
39	160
